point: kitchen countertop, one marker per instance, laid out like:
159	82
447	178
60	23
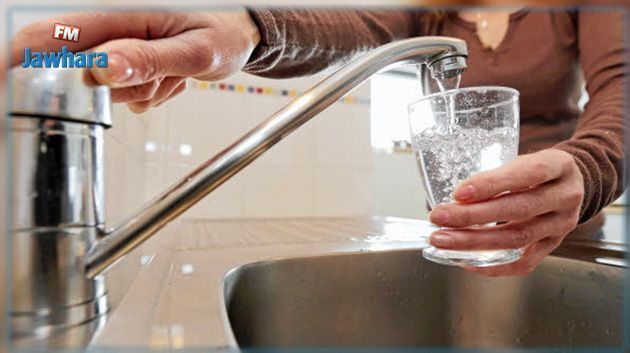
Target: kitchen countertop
168	294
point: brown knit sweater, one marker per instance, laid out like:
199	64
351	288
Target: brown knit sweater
541	56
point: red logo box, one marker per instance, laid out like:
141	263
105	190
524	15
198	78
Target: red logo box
66	33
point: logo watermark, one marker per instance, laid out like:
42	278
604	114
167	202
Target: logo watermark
64	58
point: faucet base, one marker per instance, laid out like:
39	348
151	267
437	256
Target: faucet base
51	291
59	215
44	323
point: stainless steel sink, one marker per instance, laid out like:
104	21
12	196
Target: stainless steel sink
398	299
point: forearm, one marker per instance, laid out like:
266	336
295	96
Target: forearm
597	144
303	42
597	147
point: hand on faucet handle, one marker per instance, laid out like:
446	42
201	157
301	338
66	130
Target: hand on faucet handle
152	53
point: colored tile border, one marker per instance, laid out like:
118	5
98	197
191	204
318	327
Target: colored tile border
237	88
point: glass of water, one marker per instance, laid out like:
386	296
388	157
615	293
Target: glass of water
456	134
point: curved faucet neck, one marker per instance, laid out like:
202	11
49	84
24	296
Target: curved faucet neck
424	51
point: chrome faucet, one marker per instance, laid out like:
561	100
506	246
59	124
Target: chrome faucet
61	248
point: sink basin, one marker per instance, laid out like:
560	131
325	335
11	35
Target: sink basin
398	299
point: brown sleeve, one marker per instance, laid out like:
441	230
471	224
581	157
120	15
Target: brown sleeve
597	144
297	42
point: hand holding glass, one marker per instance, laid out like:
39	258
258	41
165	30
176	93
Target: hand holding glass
456	134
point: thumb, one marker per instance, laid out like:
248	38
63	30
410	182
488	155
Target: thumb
133	62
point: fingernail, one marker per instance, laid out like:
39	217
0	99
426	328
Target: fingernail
439	217
466	193
118	69
442	240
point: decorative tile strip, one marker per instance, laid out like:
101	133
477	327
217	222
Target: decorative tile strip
266	91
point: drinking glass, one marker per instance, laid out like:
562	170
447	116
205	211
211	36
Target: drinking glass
456	134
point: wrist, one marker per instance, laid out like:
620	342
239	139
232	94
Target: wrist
580	172
250	29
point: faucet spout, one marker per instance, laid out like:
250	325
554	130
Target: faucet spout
436	52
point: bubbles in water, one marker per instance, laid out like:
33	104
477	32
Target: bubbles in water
447	159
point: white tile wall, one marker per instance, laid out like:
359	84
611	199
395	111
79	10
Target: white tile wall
339	191
125	173
398	189
305	175
322	169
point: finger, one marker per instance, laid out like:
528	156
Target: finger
525	171
4	68
135	93
179	89
136	108
99	27
508	207
515	235
167	86
136	61
532	257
